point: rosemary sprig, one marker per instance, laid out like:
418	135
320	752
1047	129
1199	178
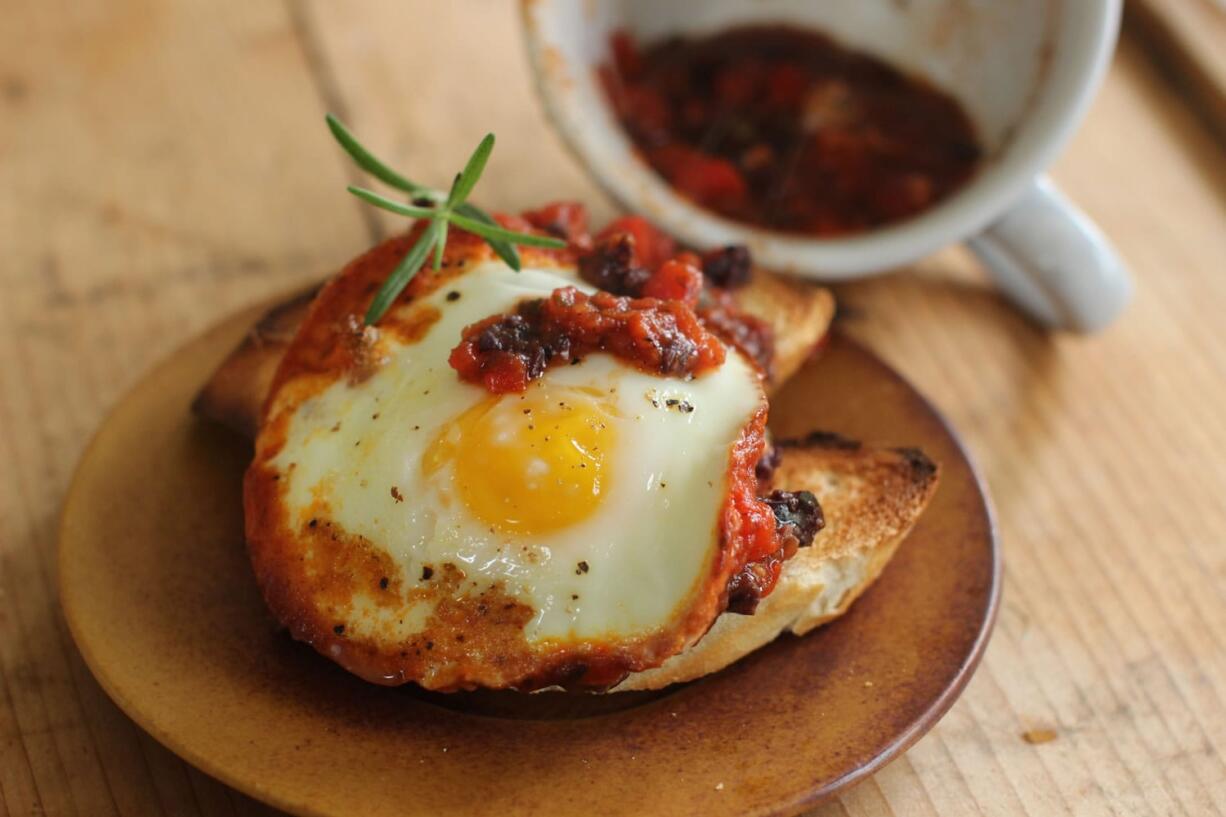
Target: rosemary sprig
441	209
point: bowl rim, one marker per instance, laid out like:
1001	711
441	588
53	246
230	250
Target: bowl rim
1084	39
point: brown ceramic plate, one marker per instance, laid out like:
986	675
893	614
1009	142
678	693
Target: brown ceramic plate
159	596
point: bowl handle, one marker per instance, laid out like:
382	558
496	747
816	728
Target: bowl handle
1054	263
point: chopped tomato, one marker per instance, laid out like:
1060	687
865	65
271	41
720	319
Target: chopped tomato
700	176
626	55
512	221
652	246
785	128
738	84
506	352
564	219
679	278
786	84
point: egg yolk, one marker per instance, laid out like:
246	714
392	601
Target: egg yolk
528	464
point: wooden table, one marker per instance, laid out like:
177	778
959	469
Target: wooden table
164	162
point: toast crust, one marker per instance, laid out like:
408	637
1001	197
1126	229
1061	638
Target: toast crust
871	498
798	313
234	395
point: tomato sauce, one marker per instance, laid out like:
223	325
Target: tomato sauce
748	525
506	352
631	257
785	129
670	307
752	335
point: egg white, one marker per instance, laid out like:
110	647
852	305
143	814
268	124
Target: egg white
647	547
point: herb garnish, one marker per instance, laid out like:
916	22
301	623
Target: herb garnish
442	210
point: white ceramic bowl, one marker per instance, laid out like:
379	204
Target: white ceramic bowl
1025	70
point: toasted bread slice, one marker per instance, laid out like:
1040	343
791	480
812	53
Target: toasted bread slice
798	313
235	393
871	498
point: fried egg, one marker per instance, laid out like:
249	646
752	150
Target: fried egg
415	527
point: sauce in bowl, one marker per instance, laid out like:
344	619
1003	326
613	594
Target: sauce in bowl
785	129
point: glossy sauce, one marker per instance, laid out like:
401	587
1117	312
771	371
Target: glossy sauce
748	525
784	128
506	352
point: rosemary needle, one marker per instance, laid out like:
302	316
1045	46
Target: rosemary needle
441	210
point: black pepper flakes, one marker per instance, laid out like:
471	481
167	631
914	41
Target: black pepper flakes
453	295
426	573
383	582
396	495
339	629
581	568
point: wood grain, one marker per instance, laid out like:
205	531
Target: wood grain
1188	40
162	163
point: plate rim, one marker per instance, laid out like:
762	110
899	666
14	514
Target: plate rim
806	800
932	714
